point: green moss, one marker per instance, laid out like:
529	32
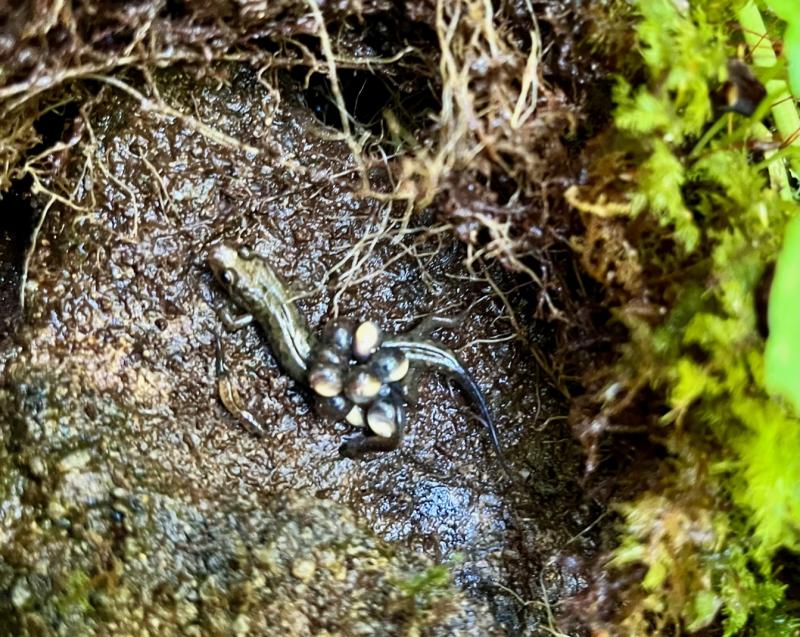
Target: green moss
75	595
423	587
661	178
730	498
698	569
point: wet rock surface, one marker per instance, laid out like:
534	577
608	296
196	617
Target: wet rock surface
141	563
125	483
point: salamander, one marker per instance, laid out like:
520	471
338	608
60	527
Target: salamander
258	290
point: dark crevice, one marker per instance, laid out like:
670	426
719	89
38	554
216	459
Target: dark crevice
366	97
51	126
15	231
20	214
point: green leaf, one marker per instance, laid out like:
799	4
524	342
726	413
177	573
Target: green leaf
784	9
787	10
782	355
791	49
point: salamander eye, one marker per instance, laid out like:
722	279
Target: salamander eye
228	276
245	252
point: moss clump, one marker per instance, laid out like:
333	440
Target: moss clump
713	203
423	587
75	596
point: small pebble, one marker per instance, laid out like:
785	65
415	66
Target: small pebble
75	460
20	594
241	626
267	557
38	467
55	510
304	569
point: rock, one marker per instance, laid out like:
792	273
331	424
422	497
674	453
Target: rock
304	569
74	461
20	593
113	370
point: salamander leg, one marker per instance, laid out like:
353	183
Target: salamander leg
355	447
230	397
233	322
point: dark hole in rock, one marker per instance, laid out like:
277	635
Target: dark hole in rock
15	232
51	126
175	9
366	96
20	216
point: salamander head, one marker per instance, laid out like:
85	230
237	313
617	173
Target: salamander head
245	276
225	263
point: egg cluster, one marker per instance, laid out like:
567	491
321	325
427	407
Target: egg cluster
355	378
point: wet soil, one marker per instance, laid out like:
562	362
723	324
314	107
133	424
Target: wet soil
121	313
